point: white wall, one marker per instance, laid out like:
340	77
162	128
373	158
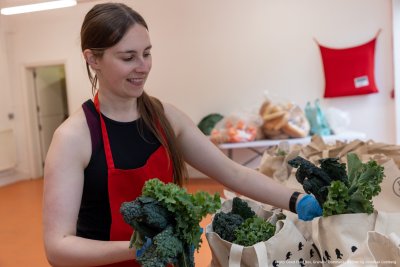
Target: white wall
216	56
396	60
6	99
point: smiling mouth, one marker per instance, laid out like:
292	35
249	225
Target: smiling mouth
136	81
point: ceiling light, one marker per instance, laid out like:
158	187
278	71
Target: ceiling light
37	7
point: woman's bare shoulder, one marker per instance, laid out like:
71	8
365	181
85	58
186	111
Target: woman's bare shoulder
72	137
75	126
179	120
173	113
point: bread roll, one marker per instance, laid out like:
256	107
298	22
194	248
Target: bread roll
296	131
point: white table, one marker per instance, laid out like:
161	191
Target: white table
256	146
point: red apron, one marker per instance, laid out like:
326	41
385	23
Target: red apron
126	185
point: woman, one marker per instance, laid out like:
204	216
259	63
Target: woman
96	162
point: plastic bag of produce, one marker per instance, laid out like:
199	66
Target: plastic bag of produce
317	118
282	120
235	129
207	124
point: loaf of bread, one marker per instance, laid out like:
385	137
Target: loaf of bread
283	121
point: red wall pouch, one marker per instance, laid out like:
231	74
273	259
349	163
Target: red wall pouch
349	71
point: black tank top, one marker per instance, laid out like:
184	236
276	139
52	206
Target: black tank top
131	148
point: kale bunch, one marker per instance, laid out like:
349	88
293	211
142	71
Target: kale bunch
166	249
225	224
147	216
317	180
241	208
338	191
253	230
241	225
168	216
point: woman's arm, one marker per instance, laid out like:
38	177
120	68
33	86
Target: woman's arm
203	155
68	155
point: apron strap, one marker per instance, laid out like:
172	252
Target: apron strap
107	147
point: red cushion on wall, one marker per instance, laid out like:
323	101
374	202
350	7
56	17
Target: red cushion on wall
349	71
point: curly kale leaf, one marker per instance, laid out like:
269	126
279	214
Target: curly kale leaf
337	200
168	216
241	208
307	170
340	201
338	191
225	224
152	220
188	209
147	211
165	248
315	180
335	170
253	230
365	177
147	217
364	183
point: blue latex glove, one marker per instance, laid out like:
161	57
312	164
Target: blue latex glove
308	208
146	245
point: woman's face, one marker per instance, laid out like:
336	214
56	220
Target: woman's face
123	69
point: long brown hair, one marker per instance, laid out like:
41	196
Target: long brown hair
103	27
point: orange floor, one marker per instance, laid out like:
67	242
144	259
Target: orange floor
21	242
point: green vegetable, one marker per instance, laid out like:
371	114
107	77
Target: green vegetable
170	216
339	192
337	200
317	180
208	122
280	152
254	230
241	208
147	216
225	224
188	209
363	183
164	249
241	225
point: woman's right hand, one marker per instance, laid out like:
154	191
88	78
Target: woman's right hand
308	208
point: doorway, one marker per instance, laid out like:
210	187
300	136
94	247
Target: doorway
50	104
